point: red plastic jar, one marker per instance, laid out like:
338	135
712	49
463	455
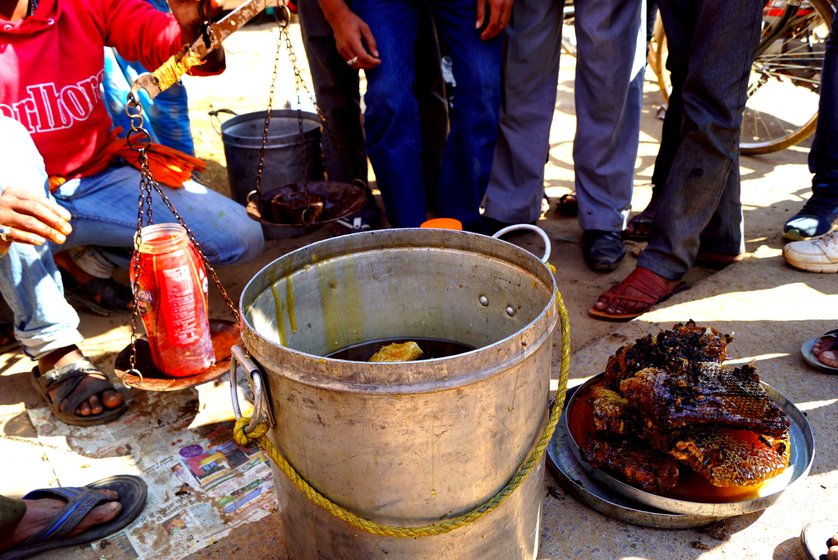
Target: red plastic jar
172	299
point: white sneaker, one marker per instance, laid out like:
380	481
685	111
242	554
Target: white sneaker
819	254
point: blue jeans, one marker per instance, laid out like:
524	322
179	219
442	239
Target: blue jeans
392	121
104	213
823	157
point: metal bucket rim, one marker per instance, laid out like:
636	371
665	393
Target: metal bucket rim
308	118
548	314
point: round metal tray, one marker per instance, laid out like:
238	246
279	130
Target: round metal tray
575	480
802	453
224	335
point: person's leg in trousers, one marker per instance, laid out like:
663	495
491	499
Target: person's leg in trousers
609	96
391	118
823	157
433	105
336	89
528	99
820	213
717	54
29	277
467	160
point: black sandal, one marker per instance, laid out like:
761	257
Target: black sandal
639	229
7	336
102	296
66	379
568	205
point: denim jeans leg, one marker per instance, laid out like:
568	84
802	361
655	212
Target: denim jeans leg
29	280
823	157
467	159
221	226
713	55
391	118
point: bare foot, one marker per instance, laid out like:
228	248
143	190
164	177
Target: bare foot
636	294
826	350
40	512
67	264
832	553
96	403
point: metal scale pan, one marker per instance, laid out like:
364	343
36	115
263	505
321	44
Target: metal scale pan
288	211
224	335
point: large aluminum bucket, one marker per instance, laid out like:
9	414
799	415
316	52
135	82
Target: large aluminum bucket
407	443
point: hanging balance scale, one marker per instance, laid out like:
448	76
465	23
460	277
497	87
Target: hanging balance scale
306	203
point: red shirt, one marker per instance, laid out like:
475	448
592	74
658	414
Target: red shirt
51	66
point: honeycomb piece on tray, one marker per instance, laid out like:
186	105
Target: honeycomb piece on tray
634	463
684	343
731	457
705	393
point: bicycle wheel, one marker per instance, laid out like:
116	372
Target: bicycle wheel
784	86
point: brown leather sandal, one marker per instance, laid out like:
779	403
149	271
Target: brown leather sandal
652	288
67	379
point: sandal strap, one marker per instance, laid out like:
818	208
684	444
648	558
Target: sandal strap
651	288
80	501
68	377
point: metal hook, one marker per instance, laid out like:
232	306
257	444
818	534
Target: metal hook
282	15
260	405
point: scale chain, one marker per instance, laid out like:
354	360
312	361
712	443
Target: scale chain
139	140
260	163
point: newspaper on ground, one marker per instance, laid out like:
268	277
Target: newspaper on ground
201	485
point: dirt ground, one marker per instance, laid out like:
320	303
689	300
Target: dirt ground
769	306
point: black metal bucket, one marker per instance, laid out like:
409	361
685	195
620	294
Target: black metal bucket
285	161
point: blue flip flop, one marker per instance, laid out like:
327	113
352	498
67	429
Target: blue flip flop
132	492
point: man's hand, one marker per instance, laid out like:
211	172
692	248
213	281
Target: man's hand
353	37
33	219
190	15
493	16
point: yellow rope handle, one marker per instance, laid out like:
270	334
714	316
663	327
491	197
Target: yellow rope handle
173	69
258	436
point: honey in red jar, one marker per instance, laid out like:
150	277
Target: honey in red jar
171	294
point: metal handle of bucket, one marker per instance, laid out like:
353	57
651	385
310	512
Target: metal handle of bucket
260	403
214	117
529	227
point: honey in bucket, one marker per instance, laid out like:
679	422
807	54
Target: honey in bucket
171	293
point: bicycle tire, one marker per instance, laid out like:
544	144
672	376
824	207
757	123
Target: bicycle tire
751	143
